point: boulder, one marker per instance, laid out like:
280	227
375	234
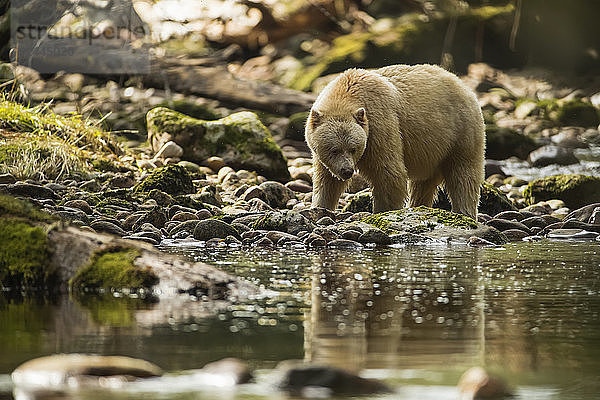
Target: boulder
285	221
430	223
276	194
64	370
214	228
172	179
240	139
550	154
575	190
503	143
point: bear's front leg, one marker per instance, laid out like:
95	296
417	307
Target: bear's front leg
390	191
327	189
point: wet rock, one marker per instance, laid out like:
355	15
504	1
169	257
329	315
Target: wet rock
144	237
551	154
575	190
254	192
493	201
315	240
213	228
232	369
338	381
573	223
503	225
264	242
510	215
233	241
572	234
516	235
430	223
240	139
299	186
186	226
203	214
314	214
156	217
376	236
121	182
328	233
284	221
344	244
360	202
81	205
586	214
276	236
184	216
169	150
277	195
325	221
209	195
162	199
476	383
295	126
62	370
475	241
351	235
90	186
108	227
29	190
72	215
493	167
532	222
172	179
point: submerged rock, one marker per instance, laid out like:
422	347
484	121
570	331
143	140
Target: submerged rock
232	369
64	370
575	190
336	380
241	140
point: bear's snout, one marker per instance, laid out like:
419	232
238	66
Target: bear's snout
346	173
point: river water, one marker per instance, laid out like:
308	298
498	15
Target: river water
416	317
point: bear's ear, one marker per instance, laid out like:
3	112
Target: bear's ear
315	118
360	116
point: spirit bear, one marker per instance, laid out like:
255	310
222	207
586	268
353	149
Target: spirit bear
406	129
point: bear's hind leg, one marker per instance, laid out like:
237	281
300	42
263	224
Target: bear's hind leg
463	183
423	192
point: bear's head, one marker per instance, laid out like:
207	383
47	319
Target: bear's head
338	142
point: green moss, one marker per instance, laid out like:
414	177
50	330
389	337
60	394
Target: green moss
492	201
579	113
10	206
575	190
446	217
172	179
192	109
240	136
114	267
378	221
24	254
104	165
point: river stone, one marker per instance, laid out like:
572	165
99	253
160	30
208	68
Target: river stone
430	223
585	213
59	370
338	381
284	221
491	202
73	214
575	190
344	244
172	179
535	221
360	202
184	216
156	216
7	178
476	383
240	139
503	143
515	235
315	240
510	215
316	213
29	190
214	228
169	150
551	154
571	233
503	225
233	369
80	205
376	236
276	194
108	227
573	223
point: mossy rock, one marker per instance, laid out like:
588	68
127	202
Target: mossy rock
192	109
492	201
172	179
578	113
24	250
295	128
360	202
114	267
431	223
575	190
503	143
240	139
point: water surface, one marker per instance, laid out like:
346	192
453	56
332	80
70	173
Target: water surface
416	317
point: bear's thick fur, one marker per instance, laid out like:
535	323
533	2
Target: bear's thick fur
407	129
